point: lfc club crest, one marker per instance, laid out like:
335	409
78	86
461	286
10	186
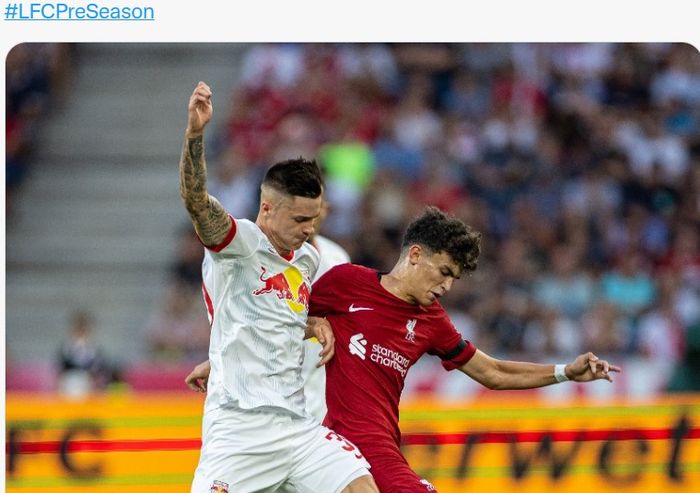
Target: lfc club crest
411	330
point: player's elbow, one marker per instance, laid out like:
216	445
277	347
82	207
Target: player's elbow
496	378
494	382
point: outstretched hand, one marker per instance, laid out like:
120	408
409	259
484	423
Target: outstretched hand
588	366
199	110
199	377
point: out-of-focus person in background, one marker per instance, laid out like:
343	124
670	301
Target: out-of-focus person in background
178	330
36	77
83	368
570	157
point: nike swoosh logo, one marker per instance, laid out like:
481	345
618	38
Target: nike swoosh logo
353	308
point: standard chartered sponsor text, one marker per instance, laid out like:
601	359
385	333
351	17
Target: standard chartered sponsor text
59	11
389	358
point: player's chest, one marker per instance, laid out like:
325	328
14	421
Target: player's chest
274	284
391	338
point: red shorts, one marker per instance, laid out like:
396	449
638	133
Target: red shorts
392	474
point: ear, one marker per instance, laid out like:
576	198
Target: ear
415	252
265	207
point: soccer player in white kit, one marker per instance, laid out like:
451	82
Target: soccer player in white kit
313	375
256	433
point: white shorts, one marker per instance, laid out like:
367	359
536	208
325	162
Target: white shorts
265	452
314	380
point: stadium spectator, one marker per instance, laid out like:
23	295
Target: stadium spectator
585	148
83	368
36	75
178	330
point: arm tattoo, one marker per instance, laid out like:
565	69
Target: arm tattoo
208	216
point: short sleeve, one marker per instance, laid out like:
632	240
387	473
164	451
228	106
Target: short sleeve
458	356
241	240
448	343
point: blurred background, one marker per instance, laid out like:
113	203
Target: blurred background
579	163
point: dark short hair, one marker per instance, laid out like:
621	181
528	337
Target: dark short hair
439	232
296	177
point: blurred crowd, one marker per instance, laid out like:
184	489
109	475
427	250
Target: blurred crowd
579	163
35	79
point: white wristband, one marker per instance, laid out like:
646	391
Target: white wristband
560	373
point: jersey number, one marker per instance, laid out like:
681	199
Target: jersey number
346	444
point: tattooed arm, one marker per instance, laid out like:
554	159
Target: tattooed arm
210	219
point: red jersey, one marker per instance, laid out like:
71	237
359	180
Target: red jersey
378	337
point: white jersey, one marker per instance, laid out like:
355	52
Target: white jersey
331	254
258	304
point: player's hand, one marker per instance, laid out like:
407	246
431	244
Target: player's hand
321	329
588	366
199	377
199	110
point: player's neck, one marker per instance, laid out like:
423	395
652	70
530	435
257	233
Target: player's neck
394	282
272	239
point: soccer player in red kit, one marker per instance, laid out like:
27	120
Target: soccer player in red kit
383	323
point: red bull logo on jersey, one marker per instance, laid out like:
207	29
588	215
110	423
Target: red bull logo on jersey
289	286
219	487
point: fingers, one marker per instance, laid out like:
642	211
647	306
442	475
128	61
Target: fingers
327	340
603	373
592	359
201	96
199	110
599	369
202	91
603	369
326	355
195	384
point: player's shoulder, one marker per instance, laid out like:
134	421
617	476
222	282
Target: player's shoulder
351	271
247	227
308	249
245	223
439	320
331	250
435	312
243	238
348	274
307	256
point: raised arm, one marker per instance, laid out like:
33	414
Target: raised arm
208	216
501	375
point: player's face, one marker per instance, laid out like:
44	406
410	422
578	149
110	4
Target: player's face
433	276
291	222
